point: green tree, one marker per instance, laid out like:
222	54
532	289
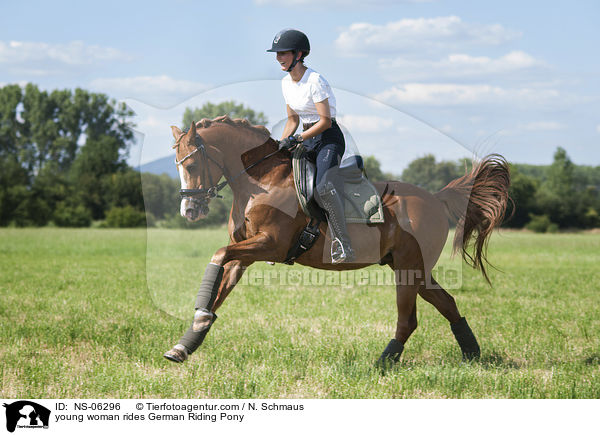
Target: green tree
230	108
374	172
56	146
557	195
561	174
13	187
161	194
430	175
125	217
523	191
123	188
11	97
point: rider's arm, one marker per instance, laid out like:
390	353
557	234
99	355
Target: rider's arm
292	123
323	123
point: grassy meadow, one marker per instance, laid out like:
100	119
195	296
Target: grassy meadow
88	313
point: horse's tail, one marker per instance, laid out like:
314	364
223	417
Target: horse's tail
477	203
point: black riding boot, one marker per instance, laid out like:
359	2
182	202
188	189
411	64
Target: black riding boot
330	200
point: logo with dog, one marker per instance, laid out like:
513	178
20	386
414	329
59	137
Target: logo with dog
25	414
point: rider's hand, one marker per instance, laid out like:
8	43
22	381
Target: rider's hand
290	142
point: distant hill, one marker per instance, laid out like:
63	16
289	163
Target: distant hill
166	165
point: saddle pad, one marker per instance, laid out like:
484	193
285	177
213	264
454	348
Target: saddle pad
362	203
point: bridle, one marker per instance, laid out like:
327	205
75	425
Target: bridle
201	196
213	190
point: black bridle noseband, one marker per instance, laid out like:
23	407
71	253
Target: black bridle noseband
201	196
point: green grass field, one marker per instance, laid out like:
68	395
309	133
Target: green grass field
81	318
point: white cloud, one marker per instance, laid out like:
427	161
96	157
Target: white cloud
365	123
543	126
162	91
418	35
457	66
446	94
40	58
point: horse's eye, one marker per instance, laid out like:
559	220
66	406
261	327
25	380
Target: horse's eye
191	167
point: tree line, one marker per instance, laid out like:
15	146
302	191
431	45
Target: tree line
545	198
63	162
62	157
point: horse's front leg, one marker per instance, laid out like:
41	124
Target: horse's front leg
222	274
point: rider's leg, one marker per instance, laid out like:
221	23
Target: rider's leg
329	195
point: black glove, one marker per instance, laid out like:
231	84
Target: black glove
290	142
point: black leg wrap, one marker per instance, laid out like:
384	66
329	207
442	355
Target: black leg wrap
194	337
204	317
209	287
466	339
391	354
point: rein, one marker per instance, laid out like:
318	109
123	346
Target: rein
214	189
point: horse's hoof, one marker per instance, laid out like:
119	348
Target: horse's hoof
390	356
471	356
176	354
384	364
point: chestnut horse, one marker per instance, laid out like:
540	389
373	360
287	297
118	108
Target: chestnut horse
266	219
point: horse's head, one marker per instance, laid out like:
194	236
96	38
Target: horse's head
198	170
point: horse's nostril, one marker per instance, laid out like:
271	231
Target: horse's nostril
190	213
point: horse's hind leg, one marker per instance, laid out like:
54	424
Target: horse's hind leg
440	299
408	281
446	305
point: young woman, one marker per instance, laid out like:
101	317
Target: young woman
309	98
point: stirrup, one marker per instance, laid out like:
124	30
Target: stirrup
341	253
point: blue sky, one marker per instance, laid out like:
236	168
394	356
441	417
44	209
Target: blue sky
454	78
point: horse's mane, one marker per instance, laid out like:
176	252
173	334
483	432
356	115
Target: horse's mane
238	122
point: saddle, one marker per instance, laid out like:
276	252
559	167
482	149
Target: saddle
362	203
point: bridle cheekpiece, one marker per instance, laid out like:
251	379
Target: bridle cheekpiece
203	194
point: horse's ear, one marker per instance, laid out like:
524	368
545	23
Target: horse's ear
192	130
176	132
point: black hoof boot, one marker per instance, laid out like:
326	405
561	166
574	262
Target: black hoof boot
466	340
390	355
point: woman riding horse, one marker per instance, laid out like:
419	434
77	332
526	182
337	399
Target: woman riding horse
308	97
266	217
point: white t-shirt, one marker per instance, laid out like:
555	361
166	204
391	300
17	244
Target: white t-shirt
302	96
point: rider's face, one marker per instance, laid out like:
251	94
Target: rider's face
285	59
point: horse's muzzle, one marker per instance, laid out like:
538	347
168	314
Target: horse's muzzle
195	209
194	214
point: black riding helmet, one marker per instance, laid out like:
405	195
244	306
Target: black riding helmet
291	40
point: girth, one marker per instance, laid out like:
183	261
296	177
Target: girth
308	237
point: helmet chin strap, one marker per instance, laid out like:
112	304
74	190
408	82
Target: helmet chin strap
294	62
